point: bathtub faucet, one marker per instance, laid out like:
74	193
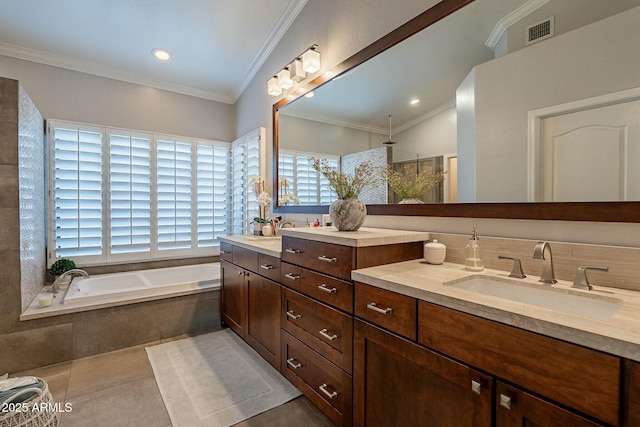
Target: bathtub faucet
78	271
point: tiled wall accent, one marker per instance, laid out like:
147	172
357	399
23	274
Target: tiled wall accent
31	192
624	268
380	158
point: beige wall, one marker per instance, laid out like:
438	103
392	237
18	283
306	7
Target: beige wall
70	95
342	28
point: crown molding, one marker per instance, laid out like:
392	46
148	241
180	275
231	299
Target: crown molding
274	37
515	16
110	73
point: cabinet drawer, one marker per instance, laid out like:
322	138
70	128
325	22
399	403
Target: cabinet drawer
580	378
335	260
335	292
387	309
326	330
226	252
245	258
269	267
327	386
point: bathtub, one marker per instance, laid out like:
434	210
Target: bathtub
142	284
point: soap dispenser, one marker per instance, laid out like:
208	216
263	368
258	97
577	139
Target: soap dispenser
473	253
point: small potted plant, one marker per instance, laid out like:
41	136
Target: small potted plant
348	212
413	187
61	266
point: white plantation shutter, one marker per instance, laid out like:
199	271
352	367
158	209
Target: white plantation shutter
130	193
173	194
119	195
212	200
246	163
309	186
77	191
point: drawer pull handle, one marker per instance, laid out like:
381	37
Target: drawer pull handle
292	251
476	387
292	362
292	276
292	315
505	401
373	306
225	252
241	273
327	259
324	288
325	334
266	266
329	394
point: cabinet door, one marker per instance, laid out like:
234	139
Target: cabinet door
263	317
633	398
515	408
399	383
233	296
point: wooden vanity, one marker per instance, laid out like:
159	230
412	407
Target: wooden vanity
378	351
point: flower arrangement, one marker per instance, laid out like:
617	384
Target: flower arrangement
262	197
413	186
365	176
286	197
62	265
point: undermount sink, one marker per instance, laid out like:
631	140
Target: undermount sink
593	306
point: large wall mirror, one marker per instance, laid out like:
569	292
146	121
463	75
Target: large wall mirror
531	107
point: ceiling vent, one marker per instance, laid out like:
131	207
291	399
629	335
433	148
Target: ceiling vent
540	31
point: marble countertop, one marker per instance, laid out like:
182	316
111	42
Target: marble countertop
266	245
362	237
618	335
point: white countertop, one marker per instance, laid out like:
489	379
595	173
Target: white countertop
619	335
362	237
266	245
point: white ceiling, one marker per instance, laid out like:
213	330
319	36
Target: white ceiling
217	46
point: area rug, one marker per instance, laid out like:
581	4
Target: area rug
216	379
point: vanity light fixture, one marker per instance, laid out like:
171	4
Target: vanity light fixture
309	94
414	101
273	88
296	71
161	54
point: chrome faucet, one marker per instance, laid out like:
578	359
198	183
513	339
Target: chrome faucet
56	283
542	251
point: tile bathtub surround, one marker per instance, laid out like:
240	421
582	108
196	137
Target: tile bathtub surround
624	269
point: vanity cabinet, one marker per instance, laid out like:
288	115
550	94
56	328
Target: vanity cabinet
251	299
517	408
400	383
633	395
317	314
585	380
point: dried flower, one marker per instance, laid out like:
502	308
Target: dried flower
365	176
415	185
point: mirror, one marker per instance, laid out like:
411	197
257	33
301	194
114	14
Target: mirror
350	113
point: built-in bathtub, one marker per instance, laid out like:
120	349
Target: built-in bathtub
108	290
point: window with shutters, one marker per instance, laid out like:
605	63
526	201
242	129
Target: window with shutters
118	195
247	161
309	186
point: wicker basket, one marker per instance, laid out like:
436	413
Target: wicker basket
28	417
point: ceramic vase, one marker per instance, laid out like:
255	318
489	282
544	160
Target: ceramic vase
347	214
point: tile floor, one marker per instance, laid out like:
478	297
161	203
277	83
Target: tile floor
118	389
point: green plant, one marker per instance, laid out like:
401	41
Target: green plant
365	176
415	185
62	265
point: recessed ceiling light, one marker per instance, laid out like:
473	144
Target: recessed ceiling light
414	101
161	54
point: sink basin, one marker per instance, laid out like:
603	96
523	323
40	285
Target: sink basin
595	307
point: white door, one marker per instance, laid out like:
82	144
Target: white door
591	155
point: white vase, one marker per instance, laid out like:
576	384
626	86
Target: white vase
347	214
267	230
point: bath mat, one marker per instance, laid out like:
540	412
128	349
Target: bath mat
216	379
